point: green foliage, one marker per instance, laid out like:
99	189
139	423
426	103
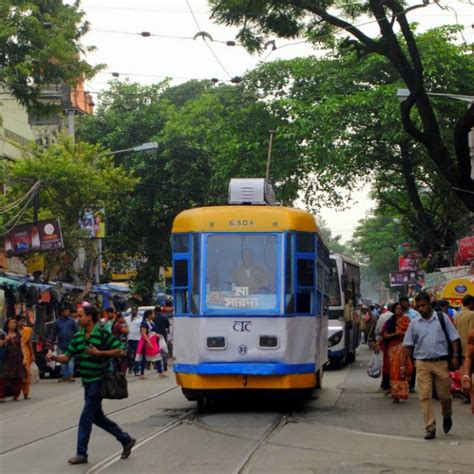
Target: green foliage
40	45
74	177
206	136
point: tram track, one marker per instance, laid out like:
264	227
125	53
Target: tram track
69	428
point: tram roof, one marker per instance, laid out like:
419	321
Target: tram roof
244	218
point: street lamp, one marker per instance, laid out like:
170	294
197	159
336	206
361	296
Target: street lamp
402	95
143	148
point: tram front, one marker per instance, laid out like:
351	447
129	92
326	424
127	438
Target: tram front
248	308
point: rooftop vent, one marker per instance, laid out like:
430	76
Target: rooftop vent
251	191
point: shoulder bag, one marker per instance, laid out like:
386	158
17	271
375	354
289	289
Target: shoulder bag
442	322
113	385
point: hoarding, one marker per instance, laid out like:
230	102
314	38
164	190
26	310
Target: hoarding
404	278
37	237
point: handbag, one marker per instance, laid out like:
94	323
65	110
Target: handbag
374	368
114	386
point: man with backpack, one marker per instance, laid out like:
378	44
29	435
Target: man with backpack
434	343
93	345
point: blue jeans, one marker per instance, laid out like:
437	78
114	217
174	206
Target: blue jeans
92	414
67	370
131	352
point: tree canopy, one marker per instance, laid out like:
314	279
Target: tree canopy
40	45
74	177
206	135
342	111
331	23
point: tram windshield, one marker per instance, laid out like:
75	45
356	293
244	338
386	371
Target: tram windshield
242	272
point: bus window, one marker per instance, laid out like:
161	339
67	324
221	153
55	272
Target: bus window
242	271
334	287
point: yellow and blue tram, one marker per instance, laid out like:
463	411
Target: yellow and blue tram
250	288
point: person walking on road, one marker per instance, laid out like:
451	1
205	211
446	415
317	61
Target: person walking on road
134	323
85	344
148	349
28	354
468	369
464	321
392	334
162	327
63	331
380	345
12	365
429	339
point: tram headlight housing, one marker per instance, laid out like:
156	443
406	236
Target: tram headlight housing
216	342
335	339
268	342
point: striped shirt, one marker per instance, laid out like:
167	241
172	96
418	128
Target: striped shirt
92	367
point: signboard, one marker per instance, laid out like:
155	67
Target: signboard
408	263
466	249
94	223
404	278
35	264
38	237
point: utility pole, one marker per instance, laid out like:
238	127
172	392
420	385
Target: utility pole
269	157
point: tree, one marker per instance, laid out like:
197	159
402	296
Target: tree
342	111
74	177
319	21
40	45
206	135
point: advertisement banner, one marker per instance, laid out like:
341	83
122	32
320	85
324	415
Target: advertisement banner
38	237
466	249
408	263
404	278
35	264
94	223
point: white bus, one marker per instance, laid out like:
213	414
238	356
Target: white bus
344	318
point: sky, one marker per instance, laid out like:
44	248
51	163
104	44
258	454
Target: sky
172	52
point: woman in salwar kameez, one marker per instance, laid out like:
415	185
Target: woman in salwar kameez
28	354
393	333
12	369
467	370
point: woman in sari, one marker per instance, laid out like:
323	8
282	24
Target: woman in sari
28	354
12	368
392	334
467	370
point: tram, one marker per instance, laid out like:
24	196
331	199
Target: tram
344	317
250	288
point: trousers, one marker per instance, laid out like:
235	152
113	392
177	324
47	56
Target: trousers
92	414
427	373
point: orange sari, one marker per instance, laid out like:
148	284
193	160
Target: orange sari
26	334
399	384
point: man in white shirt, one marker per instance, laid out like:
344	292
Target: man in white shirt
134	322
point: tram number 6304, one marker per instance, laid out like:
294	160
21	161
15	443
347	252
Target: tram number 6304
242	326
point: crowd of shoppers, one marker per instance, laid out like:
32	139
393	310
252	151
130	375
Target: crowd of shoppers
424	345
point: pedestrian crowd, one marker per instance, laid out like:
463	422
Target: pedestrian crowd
428	348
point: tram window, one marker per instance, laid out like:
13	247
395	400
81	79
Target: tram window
181	302
180	273
289	292
305	269
304	300
305	243
241	272
196	271
181	243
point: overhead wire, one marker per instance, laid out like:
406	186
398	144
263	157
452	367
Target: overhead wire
14	220
204	39
8	207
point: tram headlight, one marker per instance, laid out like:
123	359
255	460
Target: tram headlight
216	342
335	338
268	341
